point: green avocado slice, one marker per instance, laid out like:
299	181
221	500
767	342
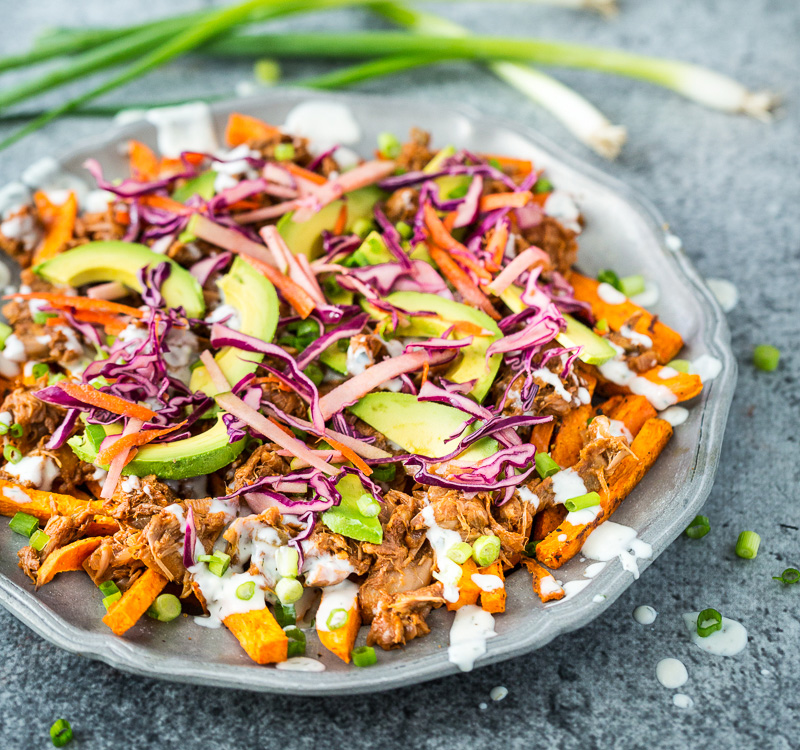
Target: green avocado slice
183	459
419	426
305	237
255	300
347	519
114	260
595	349
473	364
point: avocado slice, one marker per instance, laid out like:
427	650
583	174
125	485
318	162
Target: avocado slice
346	518
373	251
473	364
256	301
335	358
114	260
202	185
306	237
419	426
595	349
182	459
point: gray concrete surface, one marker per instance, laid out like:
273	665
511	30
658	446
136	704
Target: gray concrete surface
730	188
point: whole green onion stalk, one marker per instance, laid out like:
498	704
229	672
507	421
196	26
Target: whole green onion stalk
587	123
692	81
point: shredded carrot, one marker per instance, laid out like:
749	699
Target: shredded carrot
349	454
540	198
518	165
111	324
449	221
282	427
442	237
165	204
306	174
116	405
271	379
292	292
245	129
122	217
468	328
246	204
341	220
462	282
496	246
132	441
506	200
145	165
79	303
59	223
425	370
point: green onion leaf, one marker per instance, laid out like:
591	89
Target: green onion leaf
16	430
165	608
698	528
285	614
297	641
364	656
12	454
39	370
287	560
362	227
460	552
601	325
111	598
337	619
288	590
485	550
530	548
23	523
388	145
681	365
315	373
545	466
631	285
766	357
543	185
4	428
246	591
607	276
39	540
219	563
747	545
384	472
708	622
588	500
368	506
41	318
267	71
5	331
404	230
284	152
61	732
789	576
107	588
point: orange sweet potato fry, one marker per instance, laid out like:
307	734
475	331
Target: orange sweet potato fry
245	129
125	612
494	601
342	640
542	434
69	557
547	520
468	591
684	385
666	342
632	410
565	542
544	584
259	635
571	436
43	505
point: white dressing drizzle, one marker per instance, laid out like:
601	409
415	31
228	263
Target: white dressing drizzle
472	627
567	484
675	415
40	471
617	371
609	295
610	540
706	366
441	540
645	615
671	673
341	596
487	582
16	494
682	701
594	570
729	641
219	593
300	664
726	293
649	296
185	127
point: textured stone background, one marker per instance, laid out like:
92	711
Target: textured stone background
729	187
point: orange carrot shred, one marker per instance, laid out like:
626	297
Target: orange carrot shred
523	166
144	163
116	405
79	303
306	174
349	454
292	292
506	200
462	282
341	220
132	441
59	222
245	129
165	204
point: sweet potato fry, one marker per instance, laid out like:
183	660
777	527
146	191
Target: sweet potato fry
43	505
260	635
547	520
494	601
542	434
666	342
684	385
571	436
468	591
125	612
245	129
69	557
632	410
564	543
342	640
544	584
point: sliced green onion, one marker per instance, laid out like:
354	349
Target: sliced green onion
630	286
217	563
545	465
789	576
288	590
39	370
165	608
607	276
61	732
388	145
485	550
297	641
12	454
40	318
543	185
747	545
368	506
698	528
39	540
111	598
287	560
460	552
530	548
404	230
708	622
3	428
362	227
267	71
601	325
766	357
315	373
16	430
205	558
384	472
364	656
107	588
5	331
284	152
337	619
246	591
285	614
23	523
588	500
681	365
458	192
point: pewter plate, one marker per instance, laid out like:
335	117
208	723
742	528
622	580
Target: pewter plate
624	232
